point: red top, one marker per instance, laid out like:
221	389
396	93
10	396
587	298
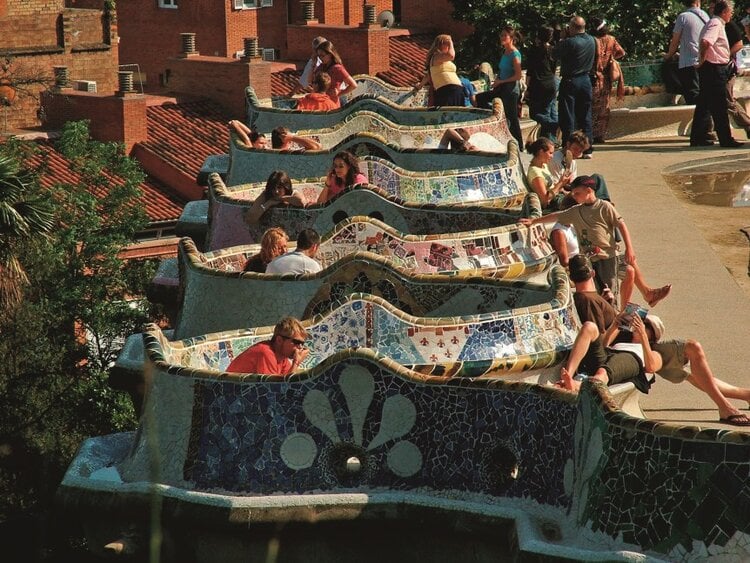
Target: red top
338	75
316	101
260	358
334	188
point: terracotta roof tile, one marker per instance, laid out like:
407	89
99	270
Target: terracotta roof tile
184	134
407	55
159	203
284	81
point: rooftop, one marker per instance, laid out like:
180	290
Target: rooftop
157	200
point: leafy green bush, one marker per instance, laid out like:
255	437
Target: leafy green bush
642	27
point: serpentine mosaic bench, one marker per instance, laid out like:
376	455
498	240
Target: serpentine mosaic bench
488	133
505	200
507	252
228	227
365	255
367	85
217	296
360	440
254	165
265	118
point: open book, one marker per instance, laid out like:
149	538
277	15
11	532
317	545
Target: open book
630	310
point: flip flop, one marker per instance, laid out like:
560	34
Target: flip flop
736	420
658	294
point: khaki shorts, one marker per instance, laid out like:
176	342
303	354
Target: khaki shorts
673	360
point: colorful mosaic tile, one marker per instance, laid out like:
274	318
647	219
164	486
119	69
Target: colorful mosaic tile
206	279
228	205
265	118
488	133
365	321
358	425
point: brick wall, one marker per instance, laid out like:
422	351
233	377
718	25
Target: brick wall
363	50
30	30
40	34
113	118
434	16
30	7
267	24
150	36
220	79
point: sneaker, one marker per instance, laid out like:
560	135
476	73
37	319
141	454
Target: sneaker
587	156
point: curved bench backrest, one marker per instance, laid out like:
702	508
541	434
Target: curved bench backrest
254	165
265	118
227	225
526	337
488	134
206	281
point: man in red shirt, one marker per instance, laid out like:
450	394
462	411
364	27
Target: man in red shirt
279	356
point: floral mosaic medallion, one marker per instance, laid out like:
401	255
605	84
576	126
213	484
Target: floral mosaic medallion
350	461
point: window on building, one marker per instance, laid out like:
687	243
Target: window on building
247	4
167	3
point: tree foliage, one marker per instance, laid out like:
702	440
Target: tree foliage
53	381
642	27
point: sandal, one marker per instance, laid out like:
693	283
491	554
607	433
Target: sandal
738	419
656	295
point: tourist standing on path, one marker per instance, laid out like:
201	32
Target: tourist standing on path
607	51
685	39
541	91
576	54
341	81
507	86
713	74
440	72
734	38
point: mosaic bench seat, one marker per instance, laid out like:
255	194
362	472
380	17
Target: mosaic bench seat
266	118
254	165
367	86
227	208
423	276
488	133
485	286
510	340
412	195
361	439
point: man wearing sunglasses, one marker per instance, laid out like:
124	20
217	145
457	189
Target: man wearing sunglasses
281	355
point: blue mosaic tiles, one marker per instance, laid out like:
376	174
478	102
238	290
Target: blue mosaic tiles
297	437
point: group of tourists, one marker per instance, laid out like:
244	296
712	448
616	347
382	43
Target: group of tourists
707	44
615	344
578	100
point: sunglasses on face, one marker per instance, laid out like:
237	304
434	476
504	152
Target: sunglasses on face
296	341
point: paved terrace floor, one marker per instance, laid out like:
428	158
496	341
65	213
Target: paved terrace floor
698	249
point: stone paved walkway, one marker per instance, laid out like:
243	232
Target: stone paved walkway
707	303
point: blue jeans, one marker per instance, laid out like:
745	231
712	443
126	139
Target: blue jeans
574	106
543	110
509	94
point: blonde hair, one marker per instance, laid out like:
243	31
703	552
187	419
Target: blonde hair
289	326
273	244
440	40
